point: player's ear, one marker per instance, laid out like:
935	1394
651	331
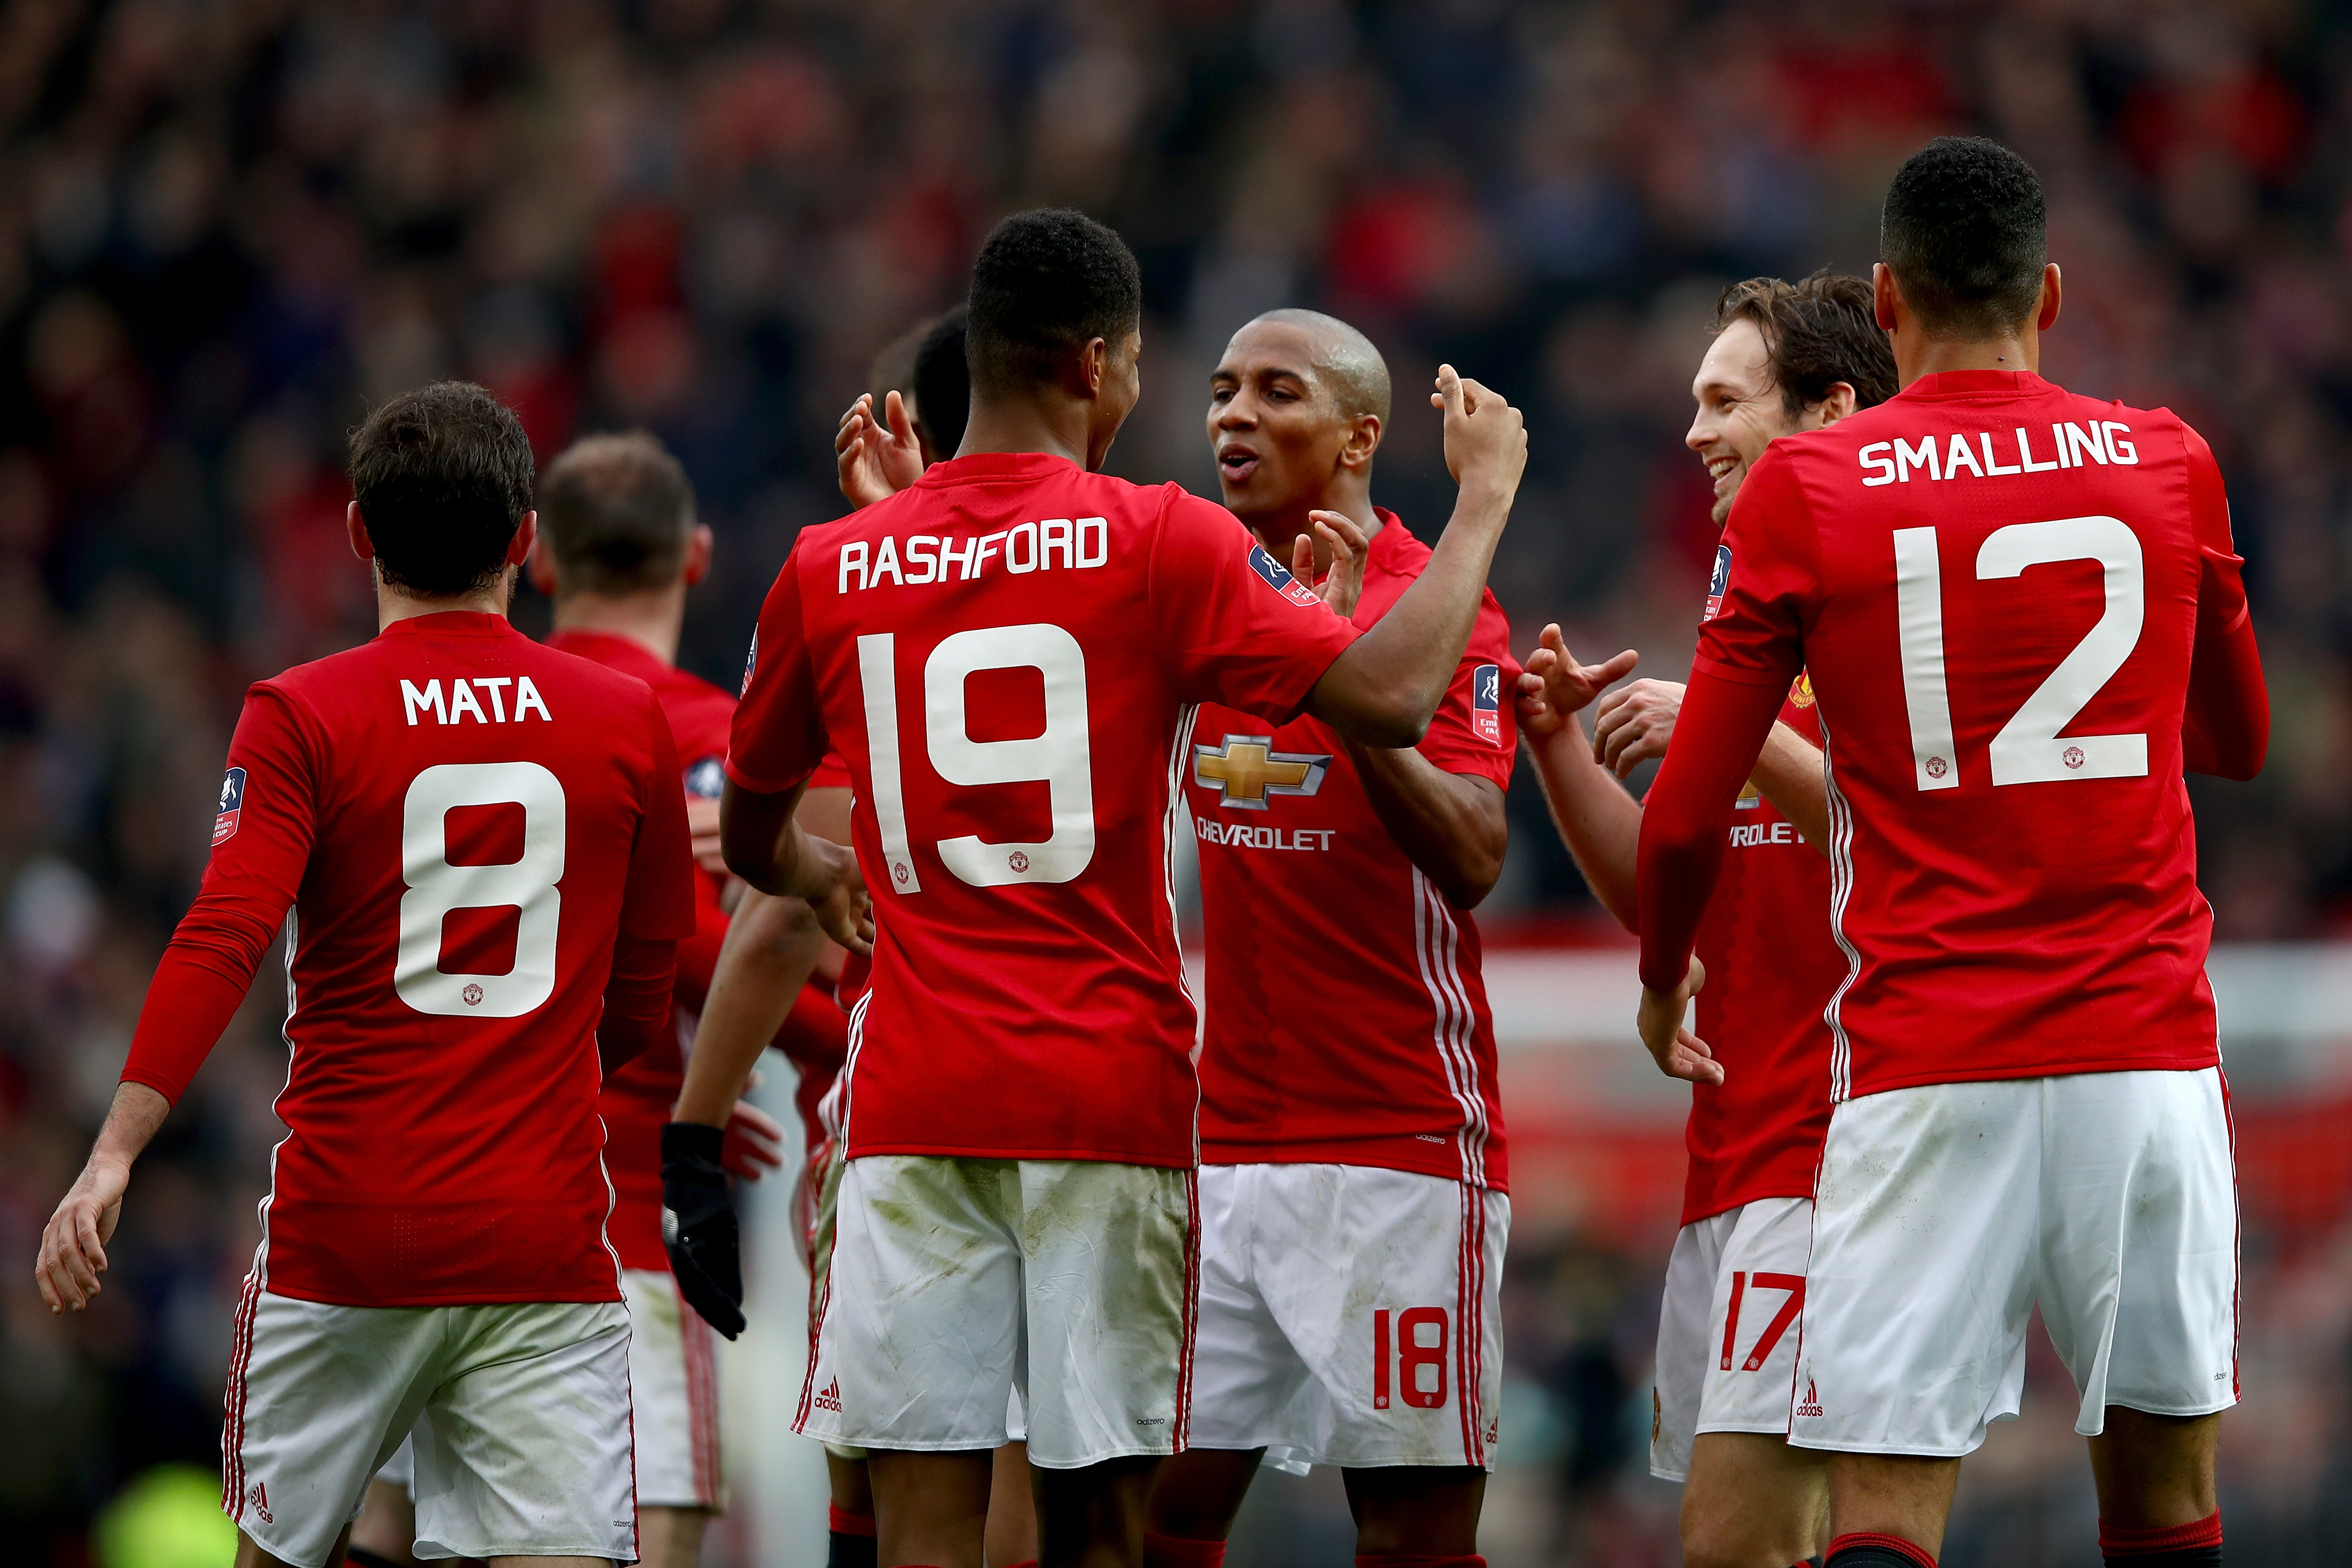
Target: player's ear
2046	316
526	535
356	527
1092	364
1837	404
1883	295
697	554
1364	434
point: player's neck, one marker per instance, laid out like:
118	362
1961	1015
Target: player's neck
396	604
1048	422
1918	354
652	619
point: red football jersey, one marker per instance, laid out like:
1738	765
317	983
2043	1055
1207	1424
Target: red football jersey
462	821
1347	1019
1771	965
1996	586
1003	654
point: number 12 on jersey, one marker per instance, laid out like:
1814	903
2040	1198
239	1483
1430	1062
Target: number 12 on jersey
1059	756
2029	749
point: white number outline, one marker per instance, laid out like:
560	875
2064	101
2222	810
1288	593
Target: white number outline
2029	748
435	888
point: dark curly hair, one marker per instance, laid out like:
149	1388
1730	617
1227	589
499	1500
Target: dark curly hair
443	478
1046	282
1819	330
1965	232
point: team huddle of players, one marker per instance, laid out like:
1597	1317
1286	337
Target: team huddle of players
1919	847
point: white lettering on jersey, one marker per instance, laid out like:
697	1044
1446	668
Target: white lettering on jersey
1747	833
461	700
1241	835
1054	542
2071	446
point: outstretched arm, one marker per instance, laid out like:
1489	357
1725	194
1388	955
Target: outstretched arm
1598	822
769	849
1383	688
773	945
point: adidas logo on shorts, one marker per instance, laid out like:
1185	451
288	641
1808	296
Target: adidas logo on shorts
259	1497
1811	1408
831	1398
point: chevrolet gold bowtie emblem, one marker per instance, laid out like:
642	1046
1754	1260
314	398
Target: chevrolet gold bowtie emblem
1248	769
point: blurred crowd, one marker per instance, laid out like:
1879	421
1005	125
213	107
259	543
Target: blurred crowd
227	226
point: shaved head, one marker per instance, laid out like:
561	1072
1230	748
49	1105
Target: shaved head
1344	360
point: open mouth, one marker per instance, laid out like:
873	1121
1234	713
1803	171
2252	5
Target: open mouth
1717	467
1235	462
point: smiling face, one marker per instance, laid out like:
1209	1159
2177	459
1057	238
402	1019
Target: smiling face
1277	426
1739	409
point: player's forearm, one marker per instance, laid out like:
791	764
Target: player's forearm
1452	827
1720	734
1597	820
2226	729
1789	774
1384	687
772	947
758	838
638	999
131	1123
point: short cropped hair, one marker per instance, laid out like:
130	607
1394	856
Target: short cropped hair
1818	332
442	476
1046	282
617	510
1965	231
943	383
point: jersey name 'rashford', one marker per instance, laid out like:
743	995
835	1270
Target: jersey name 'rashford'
1052	545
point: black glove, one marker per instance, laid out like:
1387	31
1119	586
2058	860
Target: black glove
698	1225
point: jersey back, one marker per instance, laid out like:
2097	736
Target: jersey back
1993	585
471	819
1345	1015
1004	655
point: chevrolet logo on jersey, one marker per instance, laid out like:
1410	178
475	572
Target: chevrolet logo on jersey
1246	769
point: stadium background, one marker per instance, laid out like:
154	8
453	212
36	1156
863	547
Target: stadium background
227	228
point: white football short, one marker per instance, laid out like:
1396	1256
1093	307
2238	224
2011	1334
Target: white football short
952	1284
519	1415
1350	1316
1728	1328
1946	1212
674	1389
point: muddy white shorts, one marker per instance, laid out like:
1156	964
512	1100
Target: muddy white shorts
1728	1328
520	1416
1945	1213
1350	1316
674	1385
950	1284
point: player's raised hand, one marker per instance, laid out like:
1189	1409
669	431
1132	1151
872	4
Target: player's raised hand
1634	725
1343	585
754	1141
1554	685
73	1246
875	458
1678	1052
1486	437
